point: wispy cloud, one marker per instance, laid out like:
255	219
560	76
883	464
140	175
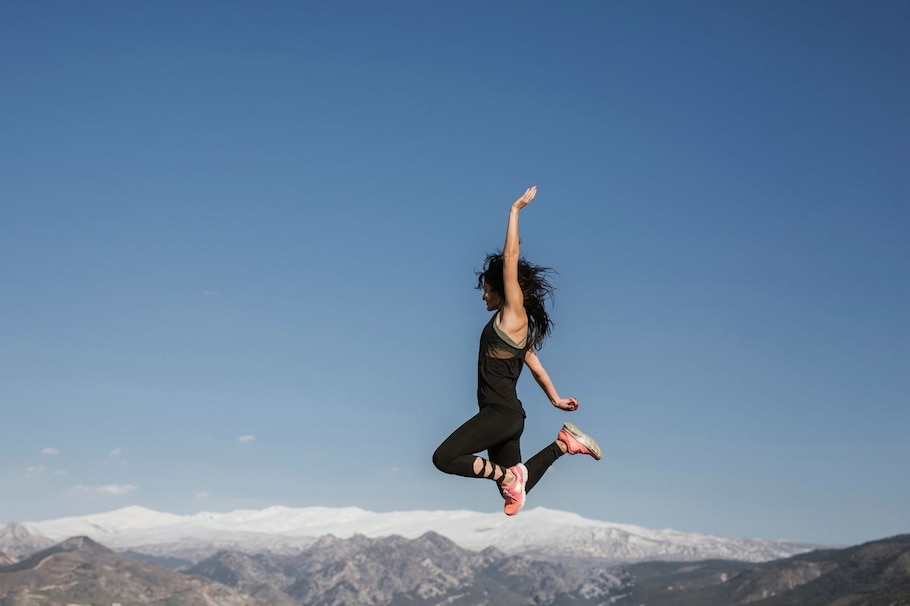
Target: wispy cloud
245	440
116	452
201	495
40	470
50	451
106	489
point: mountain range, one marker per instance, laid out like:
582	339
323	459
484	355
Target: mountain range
537	533
432	570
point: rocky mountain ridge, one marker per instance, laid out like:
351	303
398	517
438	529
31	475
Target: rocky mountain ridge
428	570
81	571
333	572
872	574
432	570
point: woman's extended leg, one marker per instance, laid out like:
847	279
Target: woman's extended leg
569	439
540	463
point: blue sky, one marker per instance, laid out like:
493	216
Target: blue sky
238	244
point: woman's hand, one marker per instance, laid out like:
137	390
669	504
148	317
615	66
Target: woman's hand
568	404
525	199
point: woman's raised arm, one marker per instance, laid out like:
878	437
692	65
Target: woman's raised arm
514	318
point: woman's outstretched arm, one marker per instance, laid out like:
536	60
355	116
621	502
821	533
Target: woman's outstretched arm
546	384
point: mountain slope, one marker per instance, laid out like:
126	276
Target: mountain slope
869	574
872	574
81	571
18	541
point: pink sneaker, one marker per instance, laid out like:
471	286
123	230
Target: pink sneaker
578	442
514	493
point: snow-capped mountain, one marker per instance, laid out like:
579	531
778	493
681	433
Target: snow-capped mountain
539	532
17	541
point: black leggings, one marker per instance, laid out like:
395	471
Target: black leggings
497	431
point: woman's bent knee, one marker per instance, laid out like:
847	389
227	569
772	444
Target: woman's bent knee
442	460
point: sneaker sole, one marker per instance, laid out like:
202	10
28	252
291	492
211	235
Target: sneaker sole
583	439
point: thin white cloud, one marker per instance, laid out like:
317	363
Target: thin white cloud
50	451
106	489
201	495
244	440
35	470
116	452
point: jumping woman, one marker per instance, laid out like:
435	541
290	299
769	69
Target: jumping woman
516	291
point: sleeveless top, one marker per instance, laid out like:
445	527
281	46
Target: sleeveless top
499	364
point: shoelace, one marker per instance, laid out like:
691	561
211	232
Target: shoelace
509	492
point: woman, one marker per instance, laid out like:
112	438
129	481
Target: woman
516	290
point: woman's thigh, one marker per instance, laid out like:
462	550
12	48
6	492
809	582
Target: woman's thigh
491	429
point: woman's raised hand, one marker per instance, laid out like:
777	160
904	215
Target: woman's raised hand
525	199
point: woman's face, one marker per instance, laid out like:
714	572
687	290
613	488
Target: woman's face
493	298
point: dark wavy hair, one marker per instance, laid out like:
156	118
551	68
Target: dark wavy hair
536	289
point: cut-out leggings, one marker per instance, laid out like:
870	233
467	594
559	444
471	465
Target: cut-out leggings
498	431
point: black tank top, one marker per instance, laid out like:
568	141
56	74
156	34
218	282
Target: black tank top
499	364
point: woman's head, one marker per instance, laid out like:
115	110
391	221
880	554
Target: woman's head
535	287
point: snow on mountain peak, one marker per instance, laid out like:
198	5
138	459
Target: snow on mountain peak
102	525
537	531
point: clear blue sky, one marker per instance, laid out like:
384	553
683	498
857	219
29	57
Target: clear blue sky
238	243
